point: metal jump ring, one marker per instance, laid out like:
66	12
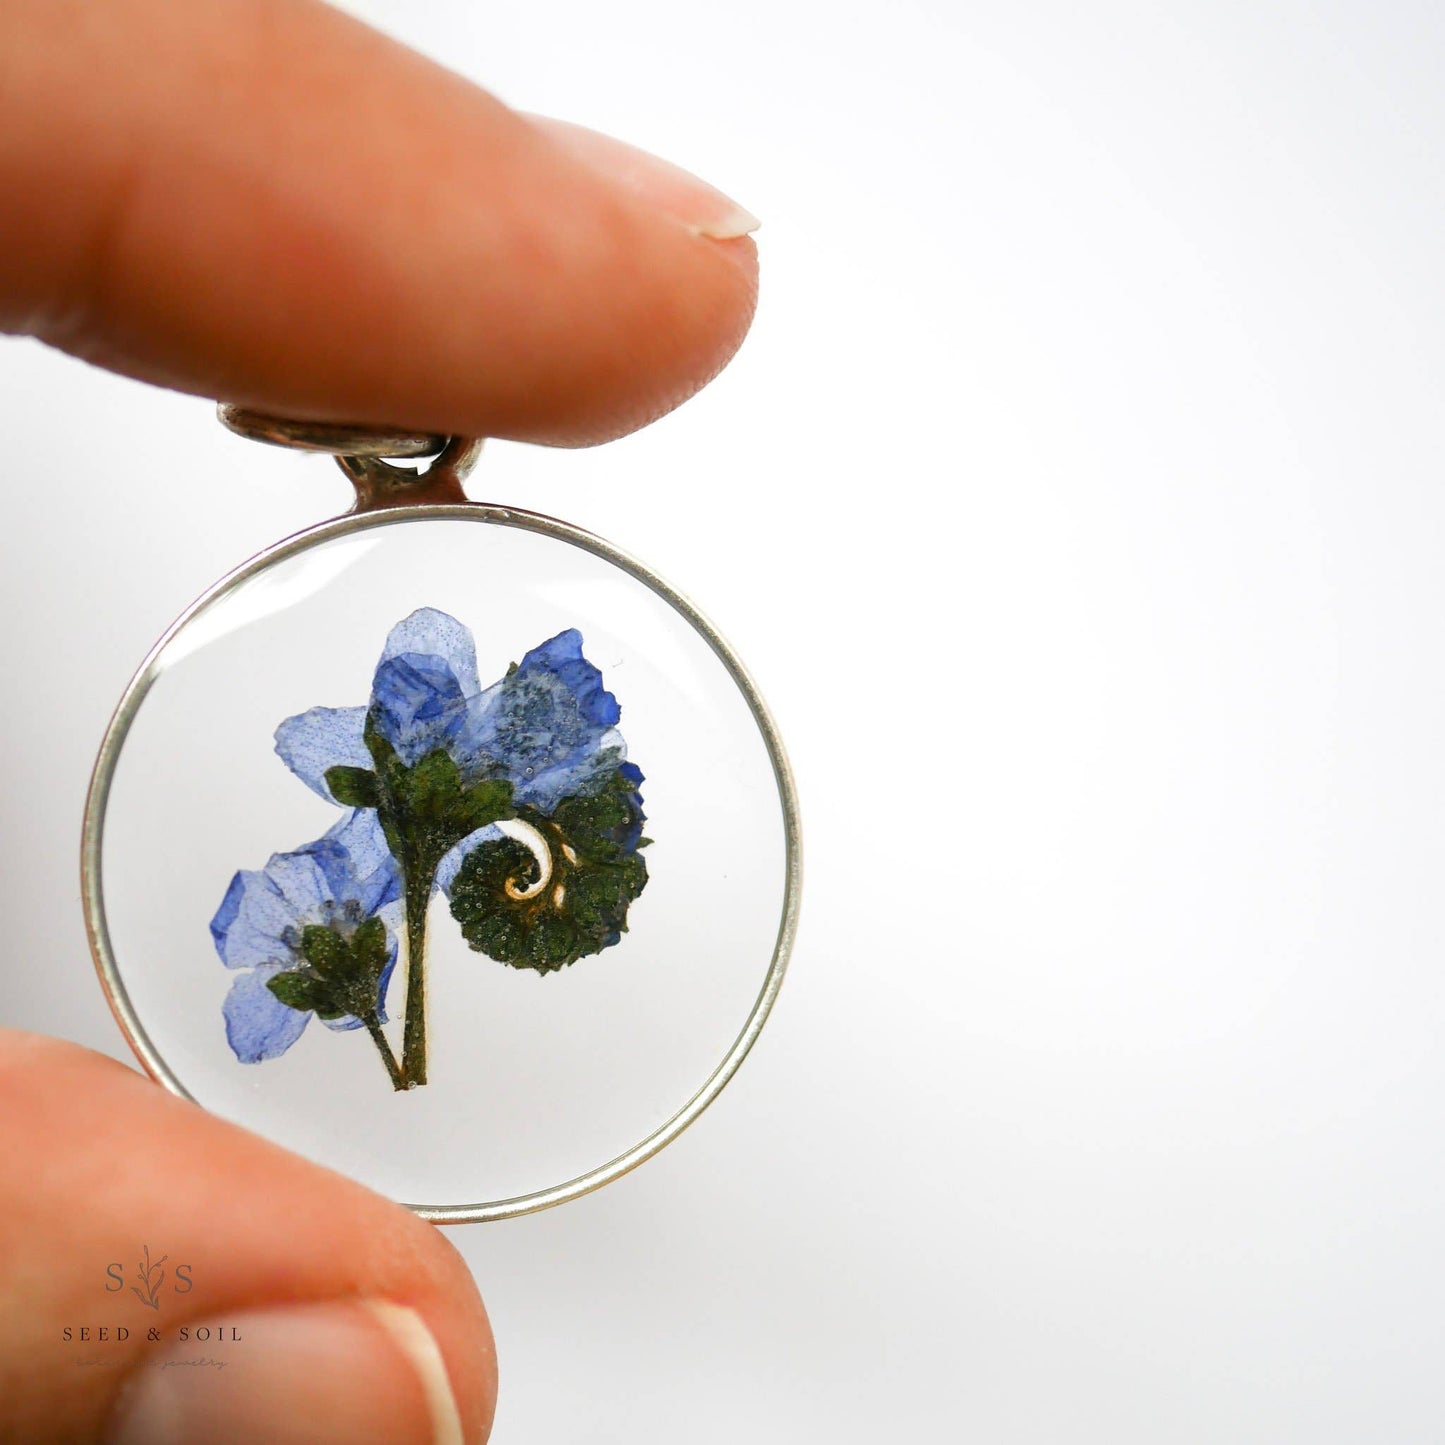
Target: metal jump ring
338	438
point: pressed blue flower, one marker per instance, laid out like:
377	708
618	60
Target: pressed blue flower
549	727
516	799
428	666
337	882
425	687
519	795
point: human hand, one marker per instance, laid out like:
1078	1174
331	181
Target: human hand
263	201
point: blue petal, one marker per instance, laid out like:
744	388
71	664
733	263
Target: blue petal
301	880
258	1025
344	1024
548	726
562	656
225	916
249	925
428	632
417	704
579	776
325	737
633	834
369	873
315	874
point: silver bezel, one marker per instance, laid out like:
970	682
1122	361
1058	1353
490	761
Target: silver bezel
145	676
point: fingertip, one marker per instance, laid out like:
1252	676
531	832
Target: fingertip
700	206
424	258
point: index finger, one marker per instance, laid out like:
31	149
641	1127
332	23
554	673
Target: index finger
267	202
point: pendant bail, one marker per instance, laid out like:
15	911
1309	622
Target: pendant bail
380	484
366	454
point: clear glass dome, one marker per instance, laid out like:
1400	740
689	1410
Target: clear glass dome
655	968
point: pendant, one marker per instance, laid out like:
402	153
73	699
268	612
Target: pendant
443	843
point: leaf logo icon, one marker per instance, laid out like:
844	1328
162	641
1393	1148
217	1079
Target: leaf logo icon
151	1277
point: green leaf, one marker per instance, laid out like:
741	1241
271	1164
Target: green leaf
298	989
432	788
325	950
353	787
594	879
484	803
341	974
370	949
425	810
381	751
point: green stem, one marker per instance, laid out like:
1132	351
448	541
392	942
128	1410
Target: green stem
373	1027
413	1038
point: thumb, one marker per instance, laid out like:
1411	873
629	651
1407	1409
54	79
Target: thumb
167	1278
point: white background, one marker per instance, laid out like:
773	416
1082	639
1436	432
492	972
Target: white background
1077	503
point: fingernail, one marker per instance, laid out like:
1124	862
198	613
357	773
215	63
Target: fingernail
701	207
353	1371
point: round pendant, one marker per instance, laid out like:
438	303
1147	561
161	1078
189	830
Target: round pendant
448	846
